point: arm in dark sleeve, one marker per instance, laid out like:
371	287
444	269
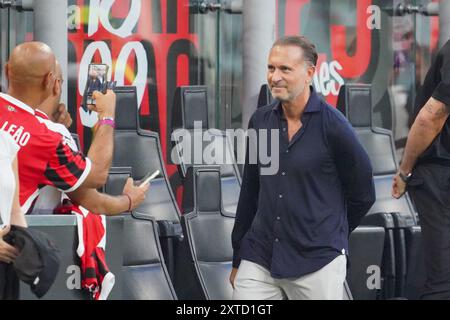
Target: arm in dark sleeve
354	169
248	202
442	91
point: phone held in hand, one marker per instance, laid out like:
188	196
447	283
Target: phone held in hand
148	177
97	80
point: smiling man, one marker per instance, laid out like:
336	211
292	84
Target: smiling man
290	237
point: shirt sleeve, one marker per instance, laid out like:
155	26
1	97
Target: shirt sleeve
8	147
248	201
442	91
354	169
67	169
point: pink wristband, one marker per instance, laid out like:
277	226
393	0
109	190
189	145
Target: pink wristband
107	121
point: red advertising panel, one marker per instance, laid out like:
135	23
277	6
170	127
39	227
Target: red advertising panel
148	44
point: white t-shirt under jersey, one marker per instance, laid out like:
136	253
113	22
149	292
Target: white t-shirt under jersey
8	151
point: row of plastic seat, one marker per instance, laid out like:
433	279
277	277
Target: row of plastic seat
168	255
199	265
196	246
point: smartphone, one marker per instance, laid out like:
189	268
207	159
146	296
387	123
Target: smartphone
97	80
149	177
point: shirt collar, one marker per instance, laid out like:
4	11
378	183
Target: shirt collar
17	103
41	114
313	104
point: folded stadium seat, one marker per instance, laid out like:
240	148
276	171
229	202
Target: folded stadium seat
365	264
145	276
189	106
265	96
141	150
204	261
394	215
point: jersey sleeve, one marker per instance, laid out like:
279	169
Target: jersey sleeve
67	169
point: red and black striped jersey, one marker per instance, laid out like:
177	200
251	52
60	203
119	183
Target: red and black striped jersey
44	157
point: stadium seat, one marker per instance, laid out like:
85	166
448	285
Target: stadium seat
265	96
190	105
364	274
396	216
116	180
145	276
204	261
141	150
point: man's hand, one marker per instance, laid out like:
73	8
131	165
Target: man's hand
233	276
62	116
7	252
136	194
398	187
105	104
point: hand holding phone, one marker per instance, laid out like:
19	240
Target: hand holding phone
97	80
148	177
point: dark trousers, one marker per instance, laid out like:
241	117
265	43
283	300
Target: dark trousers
430	191
9	282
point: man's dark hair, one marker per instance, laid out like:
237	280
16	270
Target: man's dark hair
309	49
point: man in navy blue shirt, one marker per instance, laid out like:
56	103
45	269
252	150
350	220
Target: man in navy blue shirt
290	237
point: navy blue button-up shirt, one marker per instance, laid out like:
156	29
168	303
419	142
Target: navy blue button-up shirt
297	220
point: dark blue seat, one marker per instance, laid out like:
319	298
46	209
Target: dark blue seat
190	106
265	96
204	261
141	150
364	275
396	216
145	276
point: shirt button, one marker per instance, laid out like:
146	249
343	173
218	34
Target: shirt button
287	151
280	196
276	240
278	218
283	173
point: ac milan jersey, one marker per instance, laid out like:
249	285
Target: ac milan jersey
44	157
50	197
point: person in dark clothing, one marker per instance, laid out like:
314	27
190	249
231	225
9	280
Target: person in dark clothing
425	172
290	237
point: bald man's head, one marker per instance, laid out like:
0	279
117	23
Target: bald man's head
30	63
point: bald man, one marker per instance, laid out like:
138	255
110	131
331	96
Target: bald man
52	107
44	157
51	112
